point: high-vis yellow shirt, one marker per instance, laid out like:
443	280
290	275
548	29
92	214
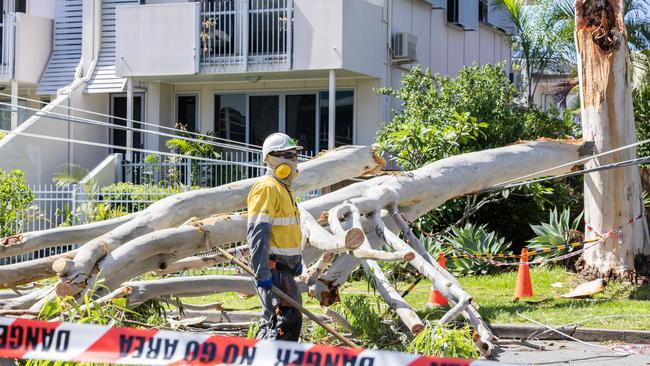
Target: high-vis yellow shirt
274	216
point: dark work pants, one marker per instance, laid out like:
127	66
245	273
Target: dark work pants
279	319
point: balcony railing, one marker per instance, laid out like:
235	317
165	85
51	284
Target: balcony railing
246	35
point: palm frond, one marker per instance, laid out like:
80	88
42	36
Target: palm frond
68	174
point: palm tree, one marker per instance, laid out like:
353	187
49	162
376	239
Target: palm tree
539	40
67	173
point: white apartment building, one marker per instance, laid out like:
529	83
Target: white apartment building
239	68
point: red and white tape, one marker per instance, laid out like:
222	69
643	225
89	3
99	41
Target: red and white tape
34	339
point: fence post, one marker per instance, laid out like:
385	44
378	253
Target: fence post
73	198
188	174
119	168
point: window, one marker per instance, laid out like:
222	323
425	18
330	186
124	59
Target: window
301	120
251	118
21	6
187	111
465	13
452	11
483	11
118	109
230	116
264	117
343	132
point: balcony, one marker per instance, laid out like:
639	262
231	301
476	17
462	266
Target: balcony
25	46
222	38
245	35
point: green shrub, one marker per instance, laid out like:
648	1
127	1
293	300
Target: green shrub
558	230
15	198
442	341
476	240
641	103
440	116
363	313
129	197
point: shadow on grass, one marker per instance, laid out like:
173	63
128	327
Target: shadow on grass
641	293
491	311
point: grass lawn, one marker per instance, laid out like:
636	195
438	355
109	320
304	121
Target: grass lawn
494	297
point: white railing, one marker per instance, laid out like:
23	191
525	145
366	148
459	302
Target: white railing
246	35
232	165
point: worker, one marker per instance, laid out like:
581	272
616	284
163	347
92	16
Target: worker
274	238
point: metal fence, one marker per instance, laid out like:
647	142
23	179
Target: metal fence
232	165
55	206
246	35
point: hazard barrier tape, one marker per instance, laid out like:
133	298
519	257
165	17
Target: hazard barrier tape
531	253
35	339
491	258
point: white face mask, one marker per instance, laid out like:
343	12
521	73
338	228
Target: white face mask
284	170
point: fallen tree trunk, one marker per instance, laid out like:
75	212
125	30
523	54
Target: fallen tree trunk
20	273
374	205
31	241
328	168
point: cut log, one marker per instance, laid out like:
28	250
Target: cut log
612	197
30	271
35	240
327	169
188	286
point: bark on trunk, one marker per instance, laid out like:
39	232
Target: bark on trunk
612	197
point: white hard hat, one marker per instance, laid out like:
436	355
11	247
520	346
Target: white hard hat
278	142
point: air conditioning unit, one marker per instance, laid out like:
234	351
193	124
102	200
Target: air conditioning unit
404	46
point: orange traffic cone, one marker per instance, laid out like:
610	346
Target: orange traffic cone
524	287
435	297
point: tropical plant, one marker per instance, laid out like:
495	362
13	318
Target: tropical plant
444	341
559	230
15	198
472	239
198	147
641	104
539	39
194	147
363	313
67	173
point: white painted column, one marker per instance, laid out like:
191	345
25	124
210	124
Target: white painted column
331	110
129	118
14	103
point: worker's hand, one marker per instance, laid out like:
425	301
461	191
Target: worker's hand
265	283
